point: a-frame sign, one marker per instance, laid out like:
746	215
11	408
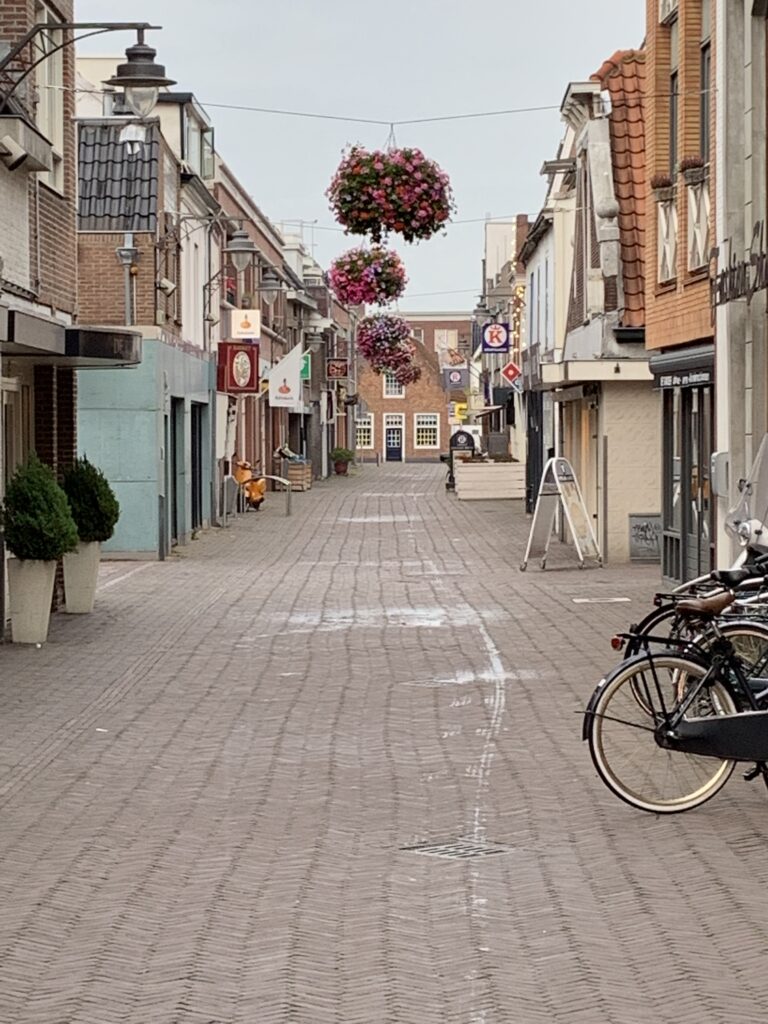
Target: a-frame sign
559	487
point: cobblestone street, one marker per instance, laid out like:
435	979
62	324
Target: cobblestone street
328	770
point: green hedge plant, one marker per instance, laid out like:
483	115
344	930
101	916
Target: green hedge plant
93	503
36	518
342	455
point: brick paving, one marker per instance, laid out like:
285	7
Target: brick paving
227	795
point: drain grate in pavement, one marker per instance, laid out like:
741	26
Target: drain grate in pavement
457	849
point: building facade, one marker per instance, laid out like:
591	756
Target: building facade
396	423
680	326
45	339
739	262
146	242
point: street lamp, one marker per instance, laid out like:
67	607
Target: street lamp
241	250
270	286
140	78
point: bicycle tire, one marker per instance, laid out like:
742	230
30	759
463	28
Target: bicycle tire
690	780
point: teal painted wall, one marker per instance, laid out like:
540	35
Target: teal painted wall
123	427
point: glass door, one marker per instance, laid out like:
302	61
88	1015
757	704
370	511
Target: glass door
393	437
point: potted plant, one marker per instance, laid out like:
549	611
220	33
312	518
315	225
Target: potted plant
95	511
693	170
341	457
39	529
663	188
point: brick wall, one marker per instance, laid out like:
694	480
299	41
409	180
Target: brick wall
425	396
679	311
102	279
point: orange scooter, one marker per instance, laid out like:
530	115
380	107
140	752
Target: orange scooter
252	486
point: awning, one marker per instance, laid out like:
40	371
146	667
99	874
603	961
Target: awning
25	335
488	410
691	366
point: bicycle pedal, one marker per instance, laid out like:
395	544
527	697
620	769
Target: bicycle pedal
752	774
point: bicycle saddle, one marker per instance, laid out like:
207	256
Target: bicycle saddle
706	607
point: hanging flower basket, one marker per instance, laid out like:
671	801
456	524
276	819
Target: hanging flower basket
385	342
368	277
373	193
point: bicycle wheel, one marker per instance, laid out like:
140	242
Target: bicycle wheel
750	646
622	741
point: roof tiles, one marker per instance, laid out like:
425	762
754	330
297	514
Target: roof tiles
623	77
118	178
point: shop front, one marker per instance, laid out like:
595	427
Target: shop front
685	377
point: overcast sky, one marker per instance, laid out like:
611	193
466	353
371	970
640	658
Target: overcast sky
388	60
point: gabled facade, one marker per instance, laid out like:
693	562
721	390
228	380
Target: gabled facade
607	411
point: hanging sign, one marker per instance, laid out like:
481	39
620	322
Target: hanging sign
285	381
245	323
336	369
496	338
560	488
237	370
456	380
510	372
306	366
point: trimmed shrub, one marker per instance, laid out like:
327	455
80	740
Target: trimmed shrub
36	517
93	503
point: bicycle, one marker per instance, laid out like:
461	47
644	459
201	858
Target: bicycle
666	730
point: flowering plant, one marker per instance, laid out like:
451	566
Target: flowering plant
385	341
363	276
401	190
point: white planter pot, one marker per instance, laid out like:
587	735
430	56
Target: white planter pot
30	584
81	571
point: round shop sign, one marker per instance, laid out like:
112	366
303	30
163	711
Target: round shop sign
454	377
496	336
463	440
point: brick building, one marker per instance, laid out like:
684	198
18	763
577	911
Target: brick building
403	424
43	340
681	144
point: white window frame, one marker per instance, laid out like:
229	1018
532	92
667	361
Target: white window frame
49	114
366	420
395	419
388	378
434	416
667	241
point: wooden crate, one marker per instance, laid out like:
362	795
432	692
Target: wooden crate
300	475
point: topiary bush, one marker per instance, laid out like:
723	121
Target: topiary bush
36	517
93	503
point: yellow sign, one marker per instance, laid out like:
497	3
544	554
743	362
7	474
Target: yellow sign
460	411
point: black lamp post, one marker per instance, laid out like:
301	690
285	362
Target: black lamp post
140	77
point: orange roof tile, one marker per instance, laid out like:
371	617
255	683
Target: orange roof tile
623	77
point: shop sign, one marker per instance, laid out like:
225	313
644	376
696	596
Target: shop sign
245	323
685	379
455	379
306	366
337	369
741	279
238	368
496	338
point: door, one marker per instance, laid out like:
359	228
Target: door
196	440
393	437
176	493
696	493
